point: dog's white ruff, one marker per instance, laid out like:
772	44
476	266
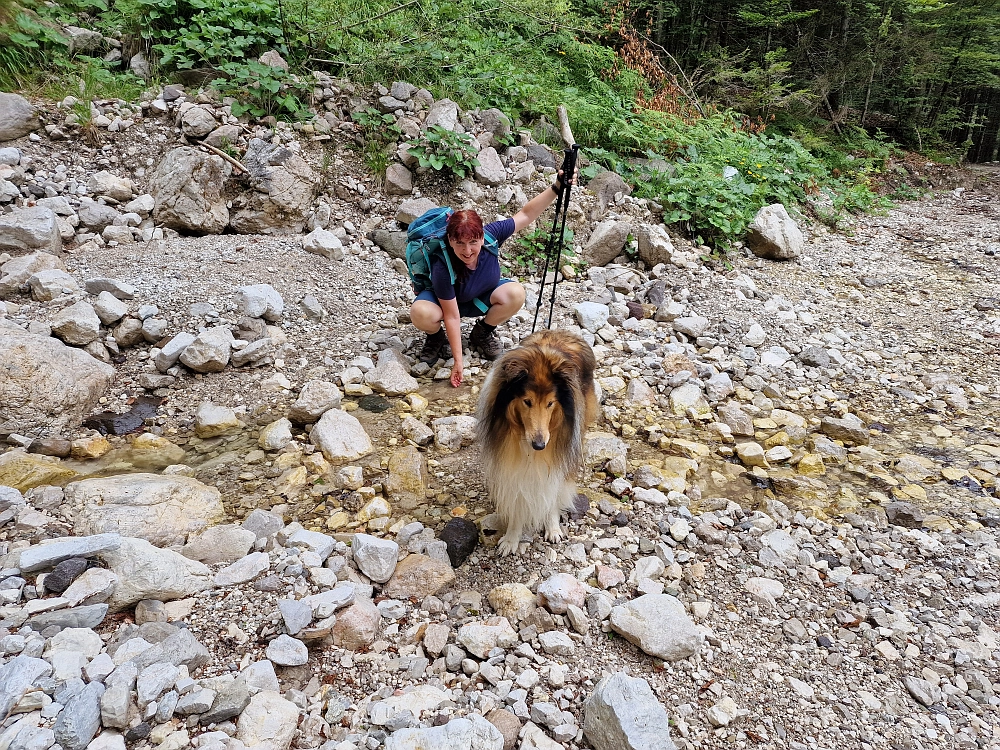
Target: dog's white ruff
529	494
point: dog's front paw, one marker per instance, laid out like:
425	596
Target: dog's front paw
509	544
553	532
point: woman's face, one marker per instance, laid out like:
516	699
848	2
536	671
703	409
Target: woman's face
467	250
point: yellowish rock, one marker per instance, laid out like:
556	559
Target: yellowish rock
952	474
149	451
377	508
689	448
93	446
22	471
941	431
338	520
291	482
751	454
914	491
315	463
379	524
407	479
288	460
765	423
939	523
811	465
778	438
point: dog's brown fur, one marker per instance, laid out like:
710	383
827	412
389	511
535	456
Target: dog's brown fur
534	409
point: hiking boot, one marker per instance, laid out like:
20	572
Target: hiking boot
434	347
487	344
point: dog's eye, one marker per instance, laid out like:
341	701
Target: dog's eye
549	406
527	402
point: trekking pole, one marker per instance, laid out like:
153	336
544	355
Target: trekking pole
554	244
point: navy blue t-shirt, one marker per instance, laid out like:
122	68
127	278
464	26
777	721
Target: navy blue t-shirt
480	282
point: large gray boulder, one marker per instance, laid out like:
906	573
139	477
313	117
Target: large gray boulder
162	509
26	230
606	243
17	117
47	387
774	234
284	186
187	188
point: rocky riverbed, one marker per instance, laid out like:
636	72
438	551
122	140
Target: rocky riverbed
791	538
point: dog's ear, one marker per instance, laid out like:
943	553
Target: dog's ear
512	368
566	367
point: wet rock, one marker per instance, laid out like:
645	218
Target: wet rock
315	399
391	376
850	429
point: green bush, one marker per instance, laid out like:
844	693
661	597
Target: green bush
444	150
205	33
262	90
380	134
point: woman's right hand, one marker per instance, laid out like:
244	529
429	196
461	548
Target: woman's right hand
456	373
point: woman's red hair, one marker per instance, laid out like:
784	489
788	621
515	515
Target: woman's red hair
465	225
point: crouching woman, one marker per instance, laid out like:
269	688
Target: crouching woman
477	277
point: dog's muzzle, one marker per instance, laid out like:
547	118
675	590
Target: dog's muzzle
538	443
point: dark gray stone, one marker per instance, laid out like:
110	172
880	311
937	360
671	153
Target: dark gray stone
461	535
64	574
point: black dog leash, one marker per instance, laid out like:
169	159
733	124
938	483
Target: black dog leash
554	245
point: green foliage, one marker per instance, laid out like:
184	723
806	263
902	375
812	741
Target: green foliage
205	33
262	90
444	150
525	254
380	134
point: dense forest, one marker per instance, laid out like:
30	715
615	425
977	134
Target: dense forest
712	107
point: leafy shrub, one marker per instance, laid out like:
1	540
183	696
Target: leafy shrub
198	33
444	150
380	134
525	255
262	90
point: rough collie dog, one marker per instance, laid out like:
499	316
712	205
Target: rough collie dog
534	408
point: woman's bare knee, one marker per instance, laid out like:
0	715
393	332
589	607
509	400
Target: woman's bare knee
426	316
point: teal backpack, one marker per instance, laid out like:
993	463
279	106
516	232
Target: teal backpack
425	242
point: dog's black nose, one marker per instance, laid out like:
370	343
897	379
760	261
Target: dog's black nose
538	444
